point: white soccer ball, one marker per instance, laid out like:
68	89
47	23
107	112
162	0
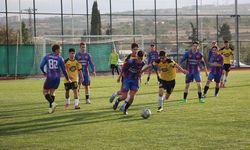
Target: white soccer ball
146	113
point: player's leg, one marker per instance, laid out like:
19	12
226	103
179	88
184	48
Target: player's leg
223	76
206	87
117	70
132	94
120	98
197	78
149	73
217	84
189	78
226	74
53	96
124	103
67	98
112	69
46	92
160	99
86	84
76	98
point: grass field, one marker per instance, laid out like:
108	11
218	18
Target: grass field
221	123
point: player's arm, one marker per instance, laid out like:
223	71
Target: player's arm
232	55
149	58
204	65
181	69
62	66
92	65
146	67
43	63
184	58
79	68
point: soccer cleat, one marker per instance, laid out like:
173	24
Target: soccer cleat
125	112
77	107
66	106
112	97
50	111
216	95
116	105
146	83
204	95
201	100
88	101
53	108
183	101
160	109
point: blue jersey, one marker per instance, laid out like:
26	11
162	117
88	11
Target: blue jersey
53	63
218	59
132	69
85	60
193	61
152	56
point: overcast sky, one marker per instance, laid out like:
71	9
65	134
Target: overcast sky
103	5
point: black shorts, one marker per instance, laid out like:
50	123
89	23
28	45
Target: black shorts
72	85
113	66
167	85
227	67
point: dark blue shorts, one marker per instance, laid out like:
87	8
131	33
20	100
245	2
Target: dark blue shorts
193	76
51	83
129	84
86	79
216	77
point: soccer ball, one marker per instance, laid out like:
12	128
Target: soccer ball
146	113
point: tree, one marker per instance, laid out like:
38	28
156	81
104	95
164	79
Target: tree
95	20
25	33
194	35
224	32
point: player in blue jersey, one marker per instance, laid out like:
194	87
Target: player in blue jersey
152	56
215	71
194	59
53	62
85	59
131	73
210	51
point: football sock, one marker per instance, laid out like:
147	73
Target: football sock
67	100
87	96
127	106
199	95
205	89
160	101
185	95
76	102
217	91
53	98
148	79
49	99
225	80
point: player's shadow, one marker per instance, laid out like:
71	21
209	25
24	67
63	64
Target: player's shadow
49	122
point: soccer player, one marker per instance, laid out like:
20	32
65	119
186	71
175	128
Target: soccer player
215	71
85	59
131	72
152	56
210	51
167	75
227	53
130	56
194	59
53	62
73	68
113	61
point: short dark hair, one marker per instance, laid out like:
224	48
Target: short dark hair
152	45
72	50
162	53
215	47
140	53
55	47
226	41
82	43
133	45
195	43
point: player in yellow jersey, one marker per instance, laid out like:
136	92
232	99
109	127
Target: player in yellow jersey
167	75
227	53
73	68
